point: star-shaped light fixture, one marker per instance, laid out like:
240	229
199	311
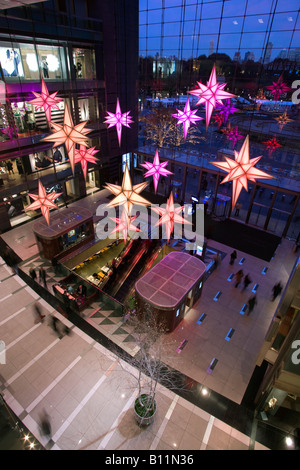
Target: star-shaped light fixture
118	119
226	109
43	201
187	117
233	134
219	119
45	100
156	169
241	170
124	225
170	216
127	195
283	120
69	134
211	94
84	156
278	88
272	144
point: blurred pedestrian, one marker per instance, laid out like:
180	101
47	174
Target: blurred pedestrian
251	303
217	259
247	281
237	209
42	276
45	425
32	273
238	277
38	312
276	290
233	257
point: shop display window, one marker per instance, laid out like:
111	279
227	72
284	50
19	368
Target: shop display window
24	117
11	63
84	63
30	63
51	61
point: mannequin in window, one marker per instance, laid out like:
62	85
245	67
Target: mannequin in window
79	70
45	67
10	67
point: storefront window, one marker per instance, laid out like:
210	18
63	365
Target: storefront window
51	61
30	63
84	63
10	59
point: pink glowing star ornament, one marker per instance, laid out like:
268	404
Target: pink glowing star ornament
233	134
124	225
69	134
43	201
187	117
211	94
85	156
278	88
170	216
226	109
45	100
241	170
156	169
118	119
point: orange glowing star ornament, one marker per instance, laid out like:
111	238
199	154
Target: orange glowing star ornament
211	94
241	170
169	216
124	225
69	134
156	169
43	201
127	195
118	119
85	156
45	100
283	120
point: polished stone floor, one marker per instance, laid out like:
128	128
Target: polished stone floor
88	392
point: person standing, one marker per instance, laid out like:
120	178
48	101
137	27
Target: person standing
276	290
32	273
251	304
233	257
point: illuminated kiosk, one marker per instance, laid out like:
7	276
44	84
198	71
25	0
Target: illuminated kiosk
170	288
68	230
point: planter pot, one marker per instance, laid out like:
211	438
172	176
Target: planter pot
144	409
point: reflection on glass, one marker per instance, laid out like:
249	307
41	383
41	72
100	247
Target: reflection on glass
49	60
30	63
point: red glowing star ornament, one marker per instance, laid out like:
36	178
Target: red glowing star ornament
69	134
278	88
156	169
45	100
211	94
169	216
219	119
85	156
43	201
124	225
118	119
241	170
127	194
187	117
272	144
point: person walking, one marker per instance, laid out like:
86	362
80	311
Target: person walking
247	281
237	209
217	259
239	276
251	304
45	425
233	257
38	312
